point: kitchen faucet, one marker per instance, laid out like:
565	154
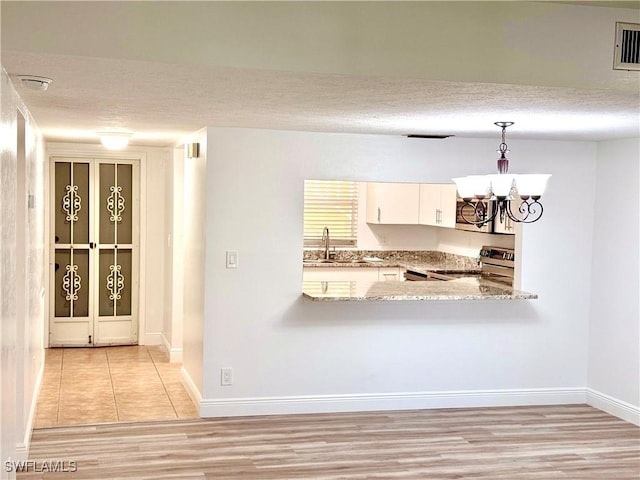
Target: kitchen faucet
325	239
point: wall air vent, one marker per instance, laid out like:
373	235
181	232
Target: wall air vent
627	51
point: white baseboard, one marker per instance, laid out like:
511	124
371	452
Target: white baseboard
231	407
615	407
191	387
22	448
175	354
22	452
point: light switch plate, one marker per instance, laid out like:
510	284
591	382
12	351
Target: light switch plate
232	259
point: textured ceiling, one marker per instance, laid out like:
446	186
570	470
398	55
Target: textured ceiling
164	102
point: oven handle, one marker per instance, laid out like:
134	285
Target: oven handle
415	276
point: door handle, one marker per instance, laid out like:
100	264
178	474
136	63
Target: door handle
90	244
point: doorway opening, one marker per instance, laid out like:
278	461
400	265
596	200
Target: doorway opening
97	372
95	252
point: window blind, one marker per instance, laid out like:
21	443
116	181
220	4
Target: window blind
332	204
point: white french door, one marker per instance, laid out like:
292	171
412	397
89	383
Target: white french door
94	248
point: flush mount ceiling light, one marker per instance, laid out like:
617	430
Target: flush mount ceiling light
33	82
489	197
114	140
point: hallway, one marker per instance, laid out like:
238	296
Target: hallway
111	384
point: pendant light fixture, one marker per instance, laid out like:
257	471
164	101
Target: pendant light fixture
489	197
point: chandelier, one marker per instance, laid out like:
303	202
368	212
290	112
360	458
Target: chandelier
485	197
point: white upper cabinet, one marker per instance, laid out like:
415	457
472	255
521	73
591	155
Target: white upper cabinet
437	205
393	203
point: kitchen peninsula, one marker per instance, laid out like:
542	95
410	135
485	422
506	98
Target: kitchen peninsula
447	277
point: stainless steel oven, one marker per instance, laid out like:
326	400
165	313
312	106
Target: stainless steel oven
468	211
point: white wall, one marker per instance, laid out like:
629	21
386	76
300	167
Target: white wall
32	327
21	274
614	348
292	355
462	242
174	255
195	201
156	161
168	256
454	41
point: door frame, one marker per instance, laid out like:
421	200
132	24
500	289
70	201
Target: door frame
97	152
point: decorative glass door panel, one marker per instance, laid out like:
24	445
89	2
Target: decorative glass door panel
115	282
116	192
95	282
71	295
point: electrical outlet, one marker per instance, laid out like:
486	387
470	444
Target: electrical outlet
226	376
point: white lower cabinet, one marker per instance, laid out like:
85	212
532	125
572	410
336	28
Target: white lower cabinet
352	274
347	274
390	273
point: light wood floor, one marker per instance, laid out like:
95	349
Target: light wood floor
548	442
111	384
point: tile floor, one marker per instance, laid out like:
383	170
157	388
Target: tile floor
111	384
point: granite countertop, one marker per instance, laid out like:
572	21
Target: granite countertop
468	283
474	287
421	262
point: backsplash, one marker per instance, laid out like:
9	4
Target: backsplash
401	256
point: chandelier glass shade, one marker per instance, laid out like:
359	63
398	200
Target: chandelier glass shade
514	196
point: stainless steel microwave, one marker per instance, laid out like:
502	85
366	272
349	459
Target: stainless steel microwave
468	212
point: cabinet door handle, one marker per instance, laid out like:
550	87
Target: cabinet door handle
378	214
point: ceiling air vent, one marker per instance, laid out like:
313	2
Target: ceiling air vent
440	137
627	52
